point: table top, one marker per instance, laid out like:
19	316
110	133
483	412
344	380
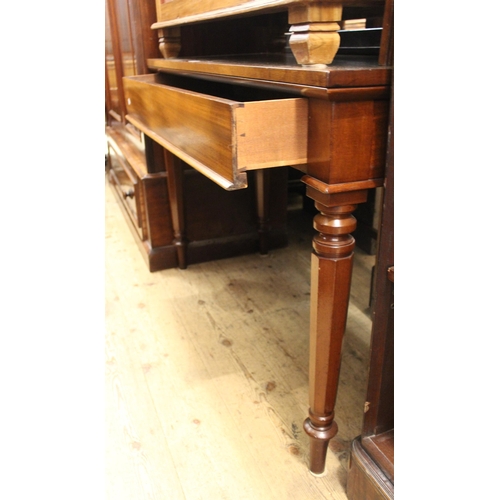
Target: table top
344	72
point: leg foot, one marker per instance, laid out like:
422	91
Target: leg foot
319	437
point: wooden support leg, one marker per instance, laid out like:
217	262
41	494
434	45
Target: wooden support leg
169	41
173	167
262	183
314	28
331	270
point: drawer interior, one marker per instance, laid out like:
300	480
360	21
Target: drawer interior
223	90
220	129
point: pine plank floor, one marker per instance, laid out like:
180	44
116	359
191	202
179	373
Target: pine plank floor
207	374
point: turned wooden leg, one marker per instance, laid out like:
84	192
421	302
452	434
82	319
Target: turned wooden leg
170	41
314	38
173	167
262	185
331	269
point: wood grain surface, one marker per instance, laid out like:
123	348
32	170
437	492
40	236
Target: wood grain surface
207	374
215	133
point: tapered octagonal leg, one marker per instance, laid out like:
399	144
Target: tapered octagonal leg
331	270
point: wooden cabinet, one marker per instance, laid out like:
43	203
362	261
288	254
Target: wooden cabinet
127	173
313	89
312	26
129	43
140	185
371	471
163	198
143	195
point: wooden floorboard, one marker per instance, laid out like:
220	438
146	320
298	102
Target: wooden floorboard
207	373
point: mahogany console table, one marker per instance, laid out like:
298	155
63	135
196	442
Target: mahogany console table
233	94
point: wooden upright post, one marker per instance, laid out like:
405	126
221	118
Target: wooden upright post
173	167
331	270
314	28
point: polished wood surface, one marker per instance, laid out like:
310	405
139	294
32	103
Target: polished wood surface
380	392
362	73
173	166
143	195
220	136
129	43
129	150
380	446
314	36
207	373
263	197
139	184
366	481
314	26
371	472
353	124
331	269
173	12
345	125
180	217
346	155
171	227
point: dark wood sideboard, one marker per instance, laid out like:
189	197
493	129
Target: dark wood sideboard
197	221
245	88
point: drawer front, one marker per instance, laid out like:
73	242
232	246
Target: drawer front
219	136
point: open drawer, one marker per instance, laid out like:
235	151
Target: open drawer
222	130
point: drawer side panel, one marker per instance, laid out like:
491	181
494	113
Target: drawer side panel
199	126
